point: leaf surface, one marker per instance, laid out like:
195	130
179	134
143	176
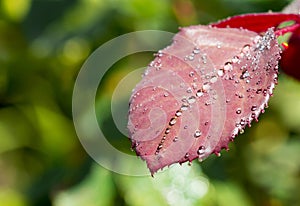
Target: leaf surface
200	92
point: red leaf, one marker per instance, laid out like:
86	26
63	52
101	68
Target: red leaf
290	58
259	22
199	92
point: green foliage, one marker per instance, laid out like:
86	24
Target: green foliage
43	45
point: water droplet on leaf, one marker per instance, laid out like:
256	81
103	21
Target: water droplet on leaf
192	99
238	111
201	150
197	133
178	113
253	108
172	121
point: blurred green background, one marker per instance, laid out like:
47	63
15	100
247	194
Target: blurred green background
43	44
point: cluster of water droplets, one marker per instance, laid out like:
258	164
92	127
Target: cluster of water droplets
264	42
257	74
199	91
201	85
155	64
226	72
191	56
136	106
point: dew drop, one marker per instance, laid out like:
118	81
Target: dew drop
196	50
238	111
206	87
151	64
186	155
194	85
167	131
220	72
242	122
159	53
166	94
265	92
253	108
175	139
228	66
184	107
192	99
258	82
246	48
258	91
185	127
191	74
204	58
275	80
178	113
214	79
256	39
266	105
245	74
144	110
235	59
201	150
197	133
189	90
239	95
207	103
172	121
157	65
199	93
218	154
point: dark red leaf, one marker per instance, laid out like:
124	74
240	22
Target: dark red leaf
290	58
200	92
258	22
